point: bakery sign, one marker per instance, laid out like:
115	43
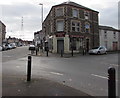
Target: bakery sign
60	34
77	36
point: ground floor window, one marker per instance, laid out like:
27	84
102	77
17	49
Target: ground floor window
76	43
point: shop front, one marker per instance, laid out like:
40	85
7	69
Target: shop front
66	43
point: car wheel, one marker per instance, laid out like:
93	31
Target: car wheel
98	52
105	52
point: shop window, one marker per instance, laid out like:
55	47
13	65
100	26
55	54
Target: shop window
73	43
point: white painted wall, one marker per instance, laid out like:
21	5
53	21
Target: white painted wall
110	39
54	44
66	44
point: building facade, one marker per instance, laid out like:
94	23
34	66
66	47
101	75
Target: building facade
109	37
2	32
39	38
71	26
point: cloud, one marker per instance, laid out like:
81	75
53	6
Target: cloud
119	15
109	16
12	17
30	10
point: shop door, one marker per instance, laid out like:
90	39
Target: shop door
60	46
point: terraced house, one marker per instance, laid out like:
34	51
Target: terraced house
71	26
2	32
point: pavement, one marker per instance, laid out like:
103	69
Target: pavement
14	83
17	86
65	55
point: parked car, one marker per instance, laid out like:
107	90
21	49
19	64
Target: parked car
1	48
98	50
10	46
32	47
5	47
13	45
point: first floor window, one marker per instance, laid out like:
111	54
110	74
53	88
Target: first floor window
75	26
114	35
105	34
87	28
60	25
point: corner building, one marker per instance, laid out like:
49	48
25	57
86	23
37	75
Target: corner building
71	26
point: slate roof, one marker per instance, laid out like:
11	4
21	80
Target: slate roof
107	28
76	5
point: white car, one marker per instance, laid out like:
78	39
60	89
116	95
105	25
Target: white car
10	46
1	48
32	47
13	45
98	50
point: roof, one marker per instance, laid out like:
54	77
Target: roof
37	32
107	28
2	23
75	4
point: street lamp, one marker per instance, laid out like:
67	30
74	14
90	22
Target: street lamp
41	12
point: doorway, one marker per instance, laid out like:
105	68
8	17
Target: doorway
60	46
115	47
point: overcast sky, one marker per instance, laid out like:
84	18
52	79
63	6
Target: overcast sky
12	11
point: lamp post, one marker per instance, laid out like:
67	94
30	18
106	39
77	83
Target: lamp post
41	20
41	12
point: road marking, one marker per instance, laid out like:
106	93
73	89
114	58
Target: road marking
18	66
56	73
7	56
102	77
99	76
114	65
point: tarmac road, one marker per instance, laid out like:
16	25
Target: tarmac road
86	73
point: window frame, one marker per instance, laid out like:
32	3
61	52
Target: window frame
114	35
61	20
86	23
56	11
76	16
76	26
88	14
105	34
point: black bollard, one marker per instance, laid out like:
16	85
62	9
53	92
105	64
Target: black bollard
29	69
61	53
72	52
111	83
36	52
83	52
47	51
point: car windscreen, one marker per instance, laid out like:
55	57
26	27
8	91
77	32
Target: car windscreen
95	48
